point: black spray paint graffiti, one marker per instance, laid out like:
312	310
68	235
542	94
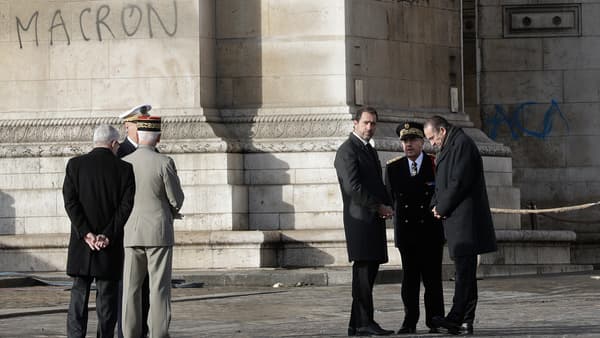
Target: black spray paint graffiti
131	20
513	121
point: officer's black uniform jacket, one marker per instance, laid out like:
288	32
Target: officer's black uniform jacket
414	224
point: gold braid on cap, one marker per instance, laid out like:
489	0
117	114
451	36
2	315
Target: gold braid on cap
154	125
131	118
412	131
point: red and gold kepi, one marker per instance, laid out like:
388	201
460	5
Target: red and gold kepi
148	123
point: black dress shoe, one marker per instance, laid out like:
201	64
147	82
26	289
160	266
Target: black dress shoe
467	329
453	328
407	329
351	331
434	330
373	330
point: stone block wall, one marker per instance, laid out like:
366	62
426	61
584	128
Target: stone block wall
97	58
256	96
31	196
407	54
270	51
290	191
529	77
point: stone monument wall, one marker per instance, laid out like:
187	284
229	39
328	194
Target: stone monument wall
256	96
540	71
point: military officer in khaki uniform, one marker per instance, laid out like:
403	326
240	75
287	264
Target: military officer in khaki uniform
149	234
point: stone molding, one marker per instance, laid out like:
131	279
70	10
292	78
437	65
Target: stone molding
267	130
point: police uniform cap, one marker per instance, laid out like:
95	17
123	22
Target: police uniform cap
408	130
132	114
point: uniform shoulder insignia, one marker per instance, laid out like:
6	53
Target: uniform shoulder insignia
394	160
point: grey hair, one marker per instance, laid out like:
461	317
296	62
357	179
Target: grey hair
436	122
105	135
148	137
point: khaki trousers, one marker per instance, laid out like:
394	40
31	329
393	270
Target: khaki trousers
157	262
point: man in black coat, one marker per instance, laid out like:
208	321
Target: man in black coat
366	205
419	236
98	192
461	202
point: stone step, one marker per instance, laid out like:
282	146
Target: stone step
520	251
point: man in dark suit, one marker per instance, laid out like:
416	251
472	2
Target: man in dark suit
419	236
98	192
366	205
128	146
461	202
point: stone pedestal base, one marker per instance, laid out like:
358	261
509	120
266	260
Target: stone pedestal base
520	252
586	250
261	191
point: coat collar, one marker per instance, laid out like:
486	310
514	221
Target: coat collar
145	146
453	132
358	143
98	150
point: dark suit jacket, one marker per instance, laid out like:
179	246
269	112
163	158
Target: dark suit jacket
125	148
361	183
414	224
98	191
461	196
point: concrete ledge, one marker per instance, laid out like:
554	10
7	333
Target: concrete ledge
535	236
30	241
253	249
33	241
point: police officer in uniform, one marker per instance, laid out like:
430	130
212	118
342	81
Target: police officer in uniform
419	236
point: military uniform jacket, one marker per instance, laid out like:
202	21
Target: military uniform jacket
414	224
361	183
158	198
461	196
98	191
125	148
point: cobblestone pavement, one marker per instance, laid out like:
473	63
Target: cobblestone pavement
539	306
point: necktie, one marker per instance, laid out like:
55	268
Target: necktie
371	152
413	169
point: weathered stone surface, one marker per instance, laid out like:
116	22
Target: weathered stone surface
256	96
513	54
518	87
569	53
490	21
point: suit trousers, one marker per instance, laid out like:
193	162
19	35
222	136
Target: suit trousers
107	296
422	263
465	290
156	262
363	279
145	308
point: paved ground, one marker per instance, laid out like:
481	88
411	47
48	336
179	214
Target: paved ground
564	305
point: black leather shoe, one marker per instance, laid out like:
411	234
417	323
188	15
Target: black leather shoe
467	329
453	328
434	330
407	329
351	331
373	330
